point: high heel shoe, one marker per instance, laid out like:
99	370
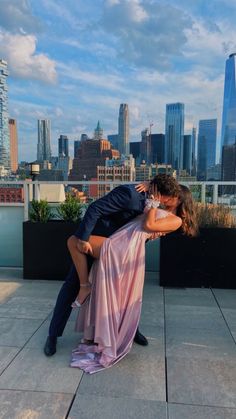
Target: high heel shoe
76	303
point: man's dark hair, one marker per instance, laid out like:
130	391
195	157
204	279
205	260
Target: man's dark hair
165	184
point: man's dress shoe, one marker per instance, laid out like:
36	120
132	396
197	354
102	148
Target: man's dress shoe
50	347
140	339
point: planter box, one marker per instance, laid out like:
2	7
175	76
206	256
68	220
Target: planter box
208	260
45	253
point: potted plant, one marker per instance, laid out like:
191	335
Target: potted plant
45	253
207	260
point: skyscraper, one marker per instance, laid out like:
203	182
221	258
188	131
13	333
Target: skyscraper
145	147
4	128
187	154
98	132
135	150
157	148
194	148
123	129
228	134
229	163
63	146
174	134
206	146
44	140
13	144
76	147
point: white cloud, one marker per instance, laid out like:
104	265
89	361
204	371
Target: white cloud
149	34
207	43
16	15
20	53
104	80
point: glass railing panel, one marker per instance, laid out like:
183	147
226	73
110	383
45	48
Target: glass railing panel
11	242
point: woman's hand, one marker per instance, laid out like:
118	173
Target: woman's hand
142	187
84	247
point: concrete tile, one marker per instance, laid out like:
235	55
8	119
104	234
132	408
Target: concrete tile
135	376
16	332
155	347
230	317
151	331
190	297
32	370
200	343
27	308
225	298
38	289
6	356
180	411
66	343
7	290
187	292
92	407
33	405
152	293
194	317
201	382
152	313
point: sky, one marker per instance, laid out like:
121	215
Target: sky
74	62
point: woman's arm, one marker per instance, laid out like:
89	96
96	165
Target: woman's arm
167	224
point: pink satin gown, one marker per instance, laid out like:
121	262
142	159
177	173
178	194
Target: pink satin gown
111	315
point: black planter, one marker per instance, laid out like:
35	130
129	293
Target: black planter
45	253
208	260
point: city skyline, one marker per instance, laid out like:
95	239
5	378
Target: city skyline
74	63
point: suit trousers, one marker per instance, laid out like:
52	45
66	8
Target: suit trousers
66	296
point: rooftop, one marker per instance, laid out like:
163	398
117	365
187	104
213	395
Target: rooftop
187	371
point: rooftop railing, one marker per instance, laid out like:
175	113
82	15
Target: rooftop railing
12	214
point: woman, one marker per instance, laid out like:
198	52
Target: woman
110	318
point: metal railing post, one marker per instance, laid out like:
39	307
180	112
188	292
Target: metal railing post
37	191
203	193
215	193
26	201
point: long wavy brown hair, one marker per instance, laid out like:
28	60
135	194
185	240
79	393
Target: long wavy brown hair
186	211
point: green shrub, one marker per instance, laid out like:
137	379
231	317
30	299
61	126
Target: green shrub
70	210
40	211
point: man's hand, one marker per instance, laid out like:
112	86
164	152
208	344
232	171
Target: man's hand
142	187
84	247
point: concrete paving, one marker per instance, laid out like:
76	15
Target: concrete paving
188	370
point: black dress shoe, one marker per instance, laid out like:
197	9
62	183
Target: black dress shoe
140	339
50	347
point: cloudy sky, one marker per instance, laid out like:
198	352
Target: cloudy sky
74	62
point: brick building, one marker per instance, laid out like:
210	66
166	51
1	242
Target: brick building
91	153
11	194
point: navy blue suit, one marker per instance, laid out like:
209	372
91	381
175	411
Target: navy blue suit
102	218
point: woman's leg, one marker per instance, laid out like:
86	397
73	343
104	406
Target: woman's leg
80	262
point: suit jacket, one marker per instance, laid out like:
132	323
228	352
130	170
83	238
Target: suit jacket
107	214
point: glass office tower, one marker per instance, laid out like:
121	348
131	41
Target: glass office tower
174	134
228	135
206	146
4	117
123	129
44	140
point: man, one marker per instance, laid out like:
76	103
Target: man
102	218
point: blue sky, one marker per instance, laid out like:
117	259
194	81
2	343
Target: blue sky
74	62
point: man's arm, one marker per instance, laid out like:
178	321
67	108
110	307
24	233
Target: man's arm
117	200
